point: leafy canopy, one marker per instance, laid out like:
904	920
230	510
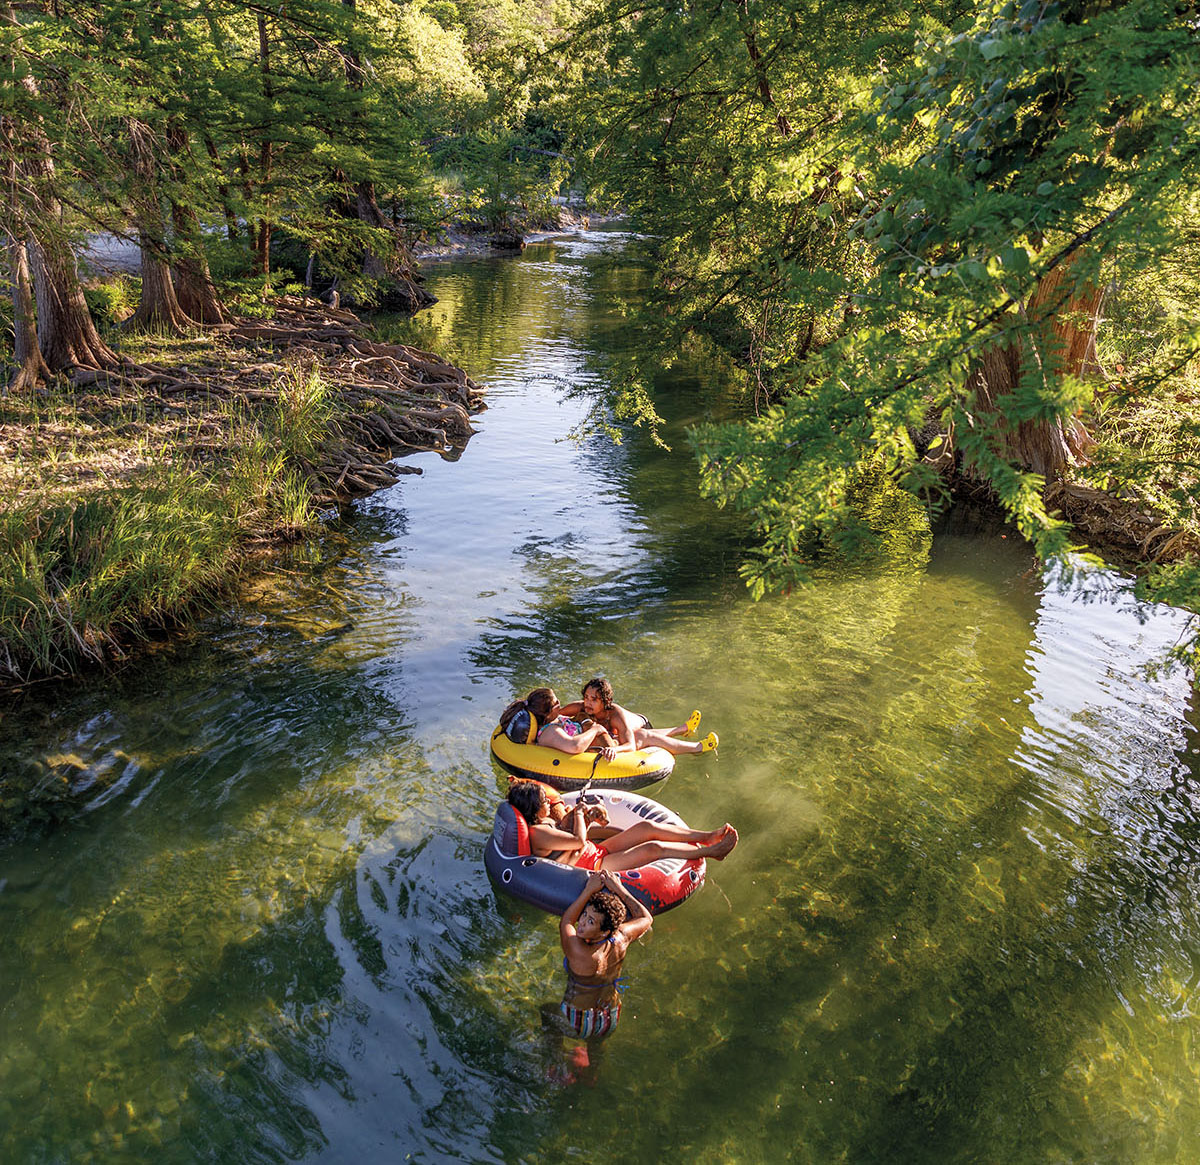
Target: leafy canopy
863	205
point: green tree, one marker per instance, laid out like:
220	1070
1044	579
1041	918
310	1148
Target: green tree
895	220
724	129
35	102
483	77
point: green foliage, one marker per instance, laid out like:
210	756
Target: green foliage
726	131
862	206
885	523
1178	584
720	129
854	509
112	301
482	79
111	535
81	579
252	295
211	130
632	406
497	180
303	414
1146	418
306	118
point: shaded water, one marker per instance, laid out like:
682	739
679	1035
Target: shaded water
961	925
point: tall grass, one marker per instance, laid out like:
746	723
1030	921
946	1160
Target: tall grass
83	577
303	413
79	580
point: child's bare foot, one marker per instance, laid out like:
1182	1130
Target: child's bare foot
723	846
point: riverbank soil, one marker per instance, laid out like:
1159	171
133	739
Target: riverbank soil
1126	533
132	496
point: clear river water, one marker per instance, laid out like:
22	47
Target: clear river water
962	923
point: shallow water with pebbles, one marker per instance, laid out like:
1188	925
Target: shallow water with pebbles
961	924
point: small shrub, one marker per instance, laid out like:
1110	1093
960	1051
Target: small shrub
113	300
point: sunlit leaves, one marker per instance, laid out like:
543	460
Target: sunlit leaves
866	265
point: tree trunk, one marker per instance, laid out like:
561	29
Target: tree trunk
262	248
1060	339
159	306
31	368
194	287
66	336
401	284
262	242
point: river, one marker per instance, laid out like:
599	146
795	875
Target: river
246	917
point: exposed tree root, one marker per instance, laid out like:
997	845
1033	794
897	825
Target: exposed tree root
1112	522
235	433
393	399
1122	530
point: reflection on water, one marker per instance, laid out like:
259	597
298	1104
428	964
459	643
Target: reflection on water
961	924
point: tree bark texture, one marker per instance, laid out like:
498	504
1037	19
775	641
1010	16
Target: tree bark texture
31	367
66	336
159	306
1062	316
194	287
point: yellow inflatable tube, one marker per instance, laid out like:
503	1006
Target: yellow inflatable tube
567	771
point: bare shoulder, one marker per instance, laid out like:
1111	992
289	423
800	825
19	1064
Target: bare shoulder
621	717
549	837
622	722
581	958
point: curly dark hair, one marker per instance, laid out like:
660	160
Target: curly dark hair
603	690
607	903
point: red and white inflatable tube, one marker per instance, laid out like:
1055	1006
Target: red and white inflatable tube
553	886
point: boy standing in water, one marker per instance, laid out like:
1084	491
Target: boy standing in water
595	932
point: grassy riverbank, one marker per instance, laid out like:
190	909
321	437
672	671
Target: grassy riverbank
114	530
135	498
